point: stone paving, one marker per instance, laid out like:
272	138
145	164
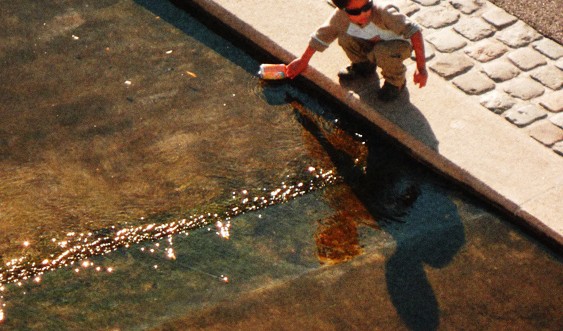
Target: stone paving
510	69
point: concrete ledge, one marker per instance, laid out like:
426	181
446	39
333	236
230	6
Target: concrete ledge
525	181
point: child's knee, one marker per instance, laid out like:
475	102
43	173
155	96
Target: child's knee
398	50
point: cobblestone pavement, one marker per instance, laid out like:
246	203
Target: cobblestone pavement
507	66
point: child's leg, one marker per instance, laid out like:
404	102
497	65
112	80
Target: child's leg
356	49
389	56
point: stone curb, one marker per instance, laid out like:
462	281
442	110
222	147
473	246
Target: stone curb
426	154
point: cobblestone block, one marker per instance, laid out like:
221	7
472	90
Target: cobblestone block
497	102
447	41
427	2
407	7
549	76
499	18
558	148
557	120
559	64
474	83
451	65
428	51
467	6
500	70
549	48
526	58
524	115
546	133
524	88
486	50
438	18
518	35
474	28
552	101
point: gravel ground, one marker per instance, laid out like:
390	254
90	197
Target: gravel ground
542	15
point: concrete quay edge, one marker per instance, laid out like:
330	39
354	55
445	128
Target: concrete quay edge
526	180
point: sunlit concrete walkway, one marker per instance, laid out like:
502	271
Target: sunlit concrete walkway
489	116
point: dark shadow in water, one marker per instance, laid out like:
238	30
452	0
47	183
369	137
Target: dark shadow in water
185	21
421	218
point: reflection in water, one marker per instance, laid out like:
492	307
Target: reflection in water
424	223
337	239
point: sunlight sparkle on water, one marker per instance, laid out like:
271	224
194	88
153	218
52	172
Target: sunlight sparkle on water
170	254
223	229
79	247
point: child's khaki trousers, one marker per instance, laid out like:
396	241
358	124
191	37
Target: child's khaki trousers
388	55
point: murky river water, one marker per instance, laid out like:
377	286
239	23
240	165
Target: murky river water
149	178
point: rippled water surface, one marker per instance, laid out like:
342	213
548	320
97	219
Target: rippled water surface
148	179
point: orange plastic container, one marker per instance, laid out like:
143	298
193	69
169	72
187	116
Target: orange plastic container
272	71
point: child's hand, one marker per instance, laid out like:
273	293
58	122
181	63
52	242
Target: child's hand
296	67
420	77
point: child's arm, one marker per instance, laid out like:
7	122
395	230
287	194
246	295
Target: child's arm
420	75
299	64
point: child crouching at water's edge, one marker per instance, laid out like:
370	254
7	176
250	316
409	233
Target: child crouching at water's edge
371	35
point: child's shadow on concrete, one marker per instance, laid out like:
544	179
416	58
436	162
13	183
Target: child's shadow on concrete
401	112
